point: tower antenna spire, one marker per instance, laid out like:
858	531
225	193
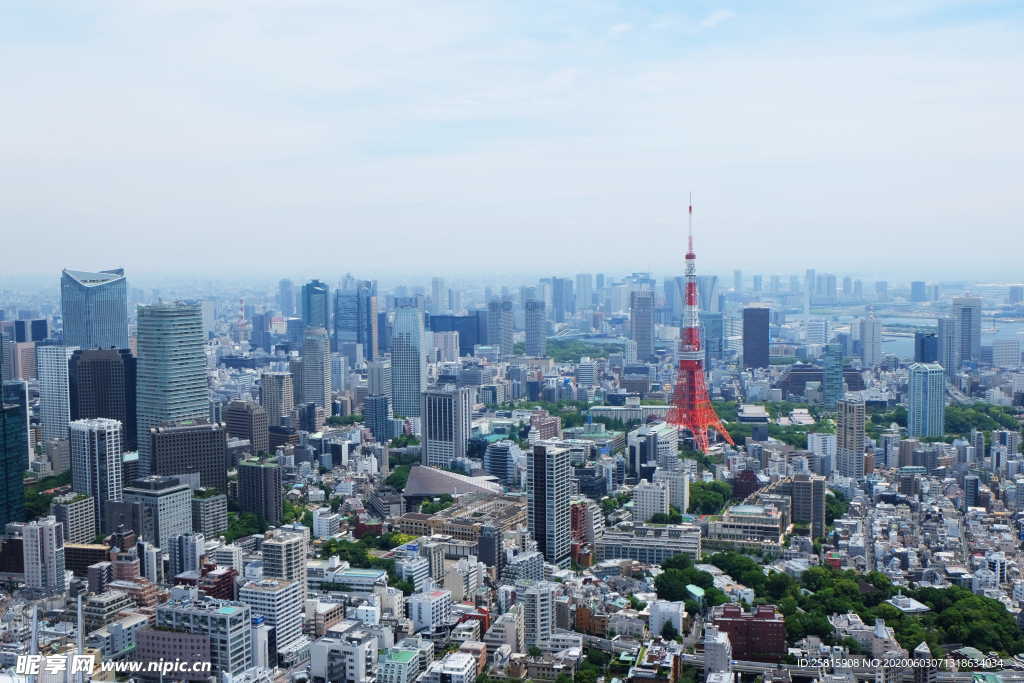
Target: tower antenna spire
690	223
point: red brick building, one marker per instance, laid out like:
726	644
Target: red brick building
758	636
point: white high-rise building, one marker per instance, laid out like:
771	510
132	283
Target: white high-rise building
538	601
871	341
850	438
277	396
316	368
817	331
678	482
967	317
54	389
717	650
43	554
926	400
96	463
1006	353
279	602
549	478
650	499
186	552
586	372
445	416
438	296
408	359
429	609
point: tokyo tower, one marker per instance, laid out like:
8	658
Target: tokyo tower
691	408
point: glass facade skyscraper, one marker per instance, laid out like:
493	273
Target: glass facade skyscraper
926	405
315	309
408	359
171	370
94	307
14	412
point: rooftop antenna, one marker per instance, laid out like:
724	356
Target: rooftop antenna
690	223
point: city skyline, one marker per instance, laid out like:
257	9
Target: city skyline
865	125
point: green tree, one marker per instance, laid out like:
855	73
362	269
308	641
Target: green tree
669	632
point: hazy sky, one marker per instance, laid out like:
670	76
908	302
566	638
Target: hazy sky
408	137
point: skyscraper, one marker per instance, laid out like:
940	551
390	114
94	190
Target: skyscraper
94	308
14	416
967	314
755	337
549	475
926	347
918	291
195	446
316	311
562	299
584	291
378	377
408	359
926	400
355	318
948	345
171	370
713	336
102	384
248	420
166	507
445	418
438	296
871	341
259	488
96	465
832	376
316	368
54	389
641	323
536	329
277	396
43	554
286	298
499	326
377	416
850	438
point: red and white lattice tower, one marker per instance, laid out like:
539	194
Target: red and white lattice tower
691	408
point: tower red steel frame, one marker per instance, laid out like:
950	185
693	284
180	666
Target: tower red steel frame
691	408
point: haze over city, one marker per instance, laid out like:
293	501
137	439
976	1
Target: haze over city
217	139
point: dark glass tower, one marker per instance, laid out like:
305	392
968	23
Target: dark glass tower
94	307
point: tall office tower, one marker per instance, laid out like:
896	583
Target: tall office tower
881	290
195	447
948	345
499	326
316	368
8	358
43	553
536	329
94	307
737	281
755	337
918	291
650	499
31	330
712	328
500	461
758	284
54	389
277	396
259	488
77	513
691	407
96	465
967	314
408	359
871	341
14	450
708	294
832	376
490	548
445	420
171	370
926	347
377	416
165	504
584	291
102	384
562	298
807	491
850	438
1015	296
641	323
378	377
1006	353
438	296
446	346
260	336
316	310
549	479
284	557
186	552
926	400
286	298
248	420
355	318
279	602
